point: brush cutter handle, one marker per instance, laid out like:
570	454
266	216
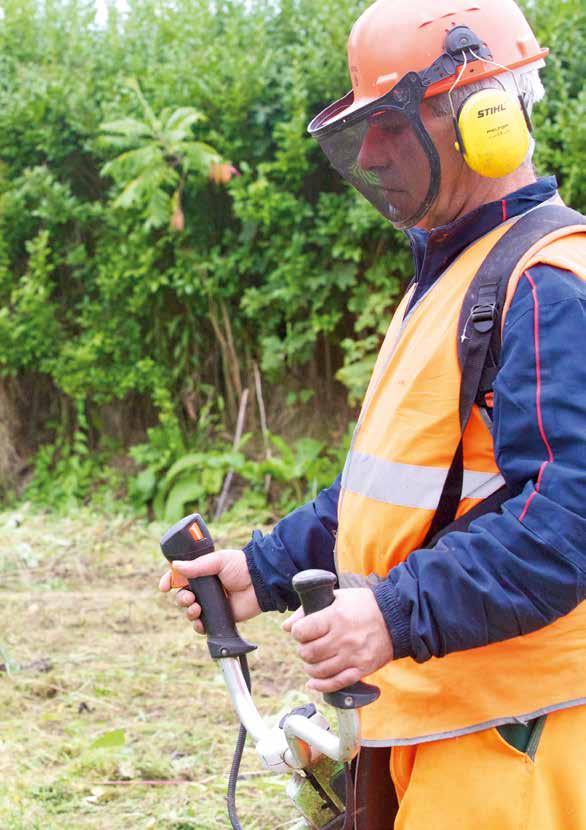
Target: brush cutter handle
188	540
316	592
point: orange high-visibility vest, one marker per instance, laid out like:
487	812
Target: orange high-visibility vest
404	442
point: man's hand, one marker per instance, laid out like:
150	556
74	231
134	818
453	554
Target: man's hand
343	643
231	567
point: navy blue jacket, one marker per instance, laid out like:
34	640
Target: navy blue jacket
515	571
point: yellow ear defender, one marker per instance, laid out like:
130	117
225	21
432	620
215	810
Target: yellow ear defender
493	132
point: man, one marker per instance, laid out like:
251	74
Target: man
478	640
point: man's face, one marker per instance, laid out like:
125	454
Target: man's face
392	151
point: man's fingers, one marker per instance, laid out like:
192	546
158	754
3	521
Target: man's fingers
194	612
312	627
198	627
290	622
165	582
209	565
184	598
338	681
316	651
326	668
171	580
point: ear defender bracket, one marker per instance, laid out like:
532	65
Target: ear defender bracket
460	146
459	45
460	39
526	115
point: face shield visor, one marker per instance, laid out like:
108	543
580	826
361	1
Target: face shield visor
384	150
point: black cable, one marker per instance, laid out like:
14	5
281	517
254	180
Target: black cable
346	820
350	803
336	823
231	798
235	768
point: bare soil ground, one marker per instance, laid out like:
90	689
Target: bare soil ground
88	647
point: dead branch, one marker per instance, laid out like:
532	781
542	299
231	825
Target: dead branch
237	437
263	420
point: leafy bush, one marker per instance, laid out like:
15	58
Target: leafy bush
137	274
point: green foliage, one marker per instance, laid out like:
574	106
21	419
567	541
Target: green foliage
110	740
194	480
159	155
561	119
68	473
304	467
137	281
296	463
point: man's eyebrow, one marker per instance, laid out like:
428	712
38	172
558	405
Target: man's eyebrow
389	114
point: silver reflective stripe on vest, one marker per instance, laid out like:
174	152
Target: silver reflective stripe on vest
477	727
406	485
348	580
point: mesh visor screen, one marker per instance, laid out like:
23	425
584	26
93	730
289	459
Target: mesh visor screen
384	151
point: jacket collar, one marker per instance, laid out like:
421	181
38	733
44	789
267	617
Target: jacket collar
433	251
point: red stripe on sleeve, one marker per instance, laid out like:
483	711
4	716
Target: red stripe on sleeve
546	443
504	208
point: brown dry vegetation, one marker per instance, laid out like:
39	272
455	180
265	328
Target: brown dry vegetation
88	646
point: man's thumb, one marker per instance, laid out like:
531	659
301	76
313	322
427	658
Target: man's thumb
209	565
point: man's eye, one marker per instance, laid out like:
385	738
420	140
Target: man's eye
393	129
391	126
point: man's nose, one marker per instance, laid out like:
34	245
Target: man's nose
372	153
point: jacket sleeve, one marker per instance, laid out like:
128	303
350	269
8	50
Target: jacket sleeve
520	569
303	539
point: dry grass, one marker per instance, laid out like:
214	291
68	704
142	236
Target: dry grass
87	646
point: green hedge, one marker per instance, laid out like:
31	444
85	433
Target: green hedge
105	298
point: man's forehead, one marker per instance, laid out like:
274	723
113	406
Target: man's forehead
386	115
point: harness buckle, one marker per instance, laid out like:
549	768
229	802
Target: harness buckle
483	316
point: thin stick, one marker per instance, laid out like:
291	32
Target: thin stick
263	420
145	782
234	364
225	352
177	782
237	436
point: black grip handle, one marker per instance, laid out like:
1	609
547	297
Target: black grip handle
315	589
188	540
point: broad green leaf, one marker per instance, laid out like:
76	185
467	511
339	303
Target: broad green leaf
186	490
129	127
183	118
307	450
110	740
194	460
283	448
144	484
211	481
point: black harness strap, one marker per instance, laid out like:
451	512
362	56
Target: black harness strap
480	342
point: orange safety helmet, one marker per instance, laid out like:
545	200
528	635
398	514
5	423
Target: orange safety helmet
393	37
393	43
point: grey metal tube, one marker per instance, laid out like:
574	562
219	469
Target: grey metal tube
342	748
241	699
298	730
